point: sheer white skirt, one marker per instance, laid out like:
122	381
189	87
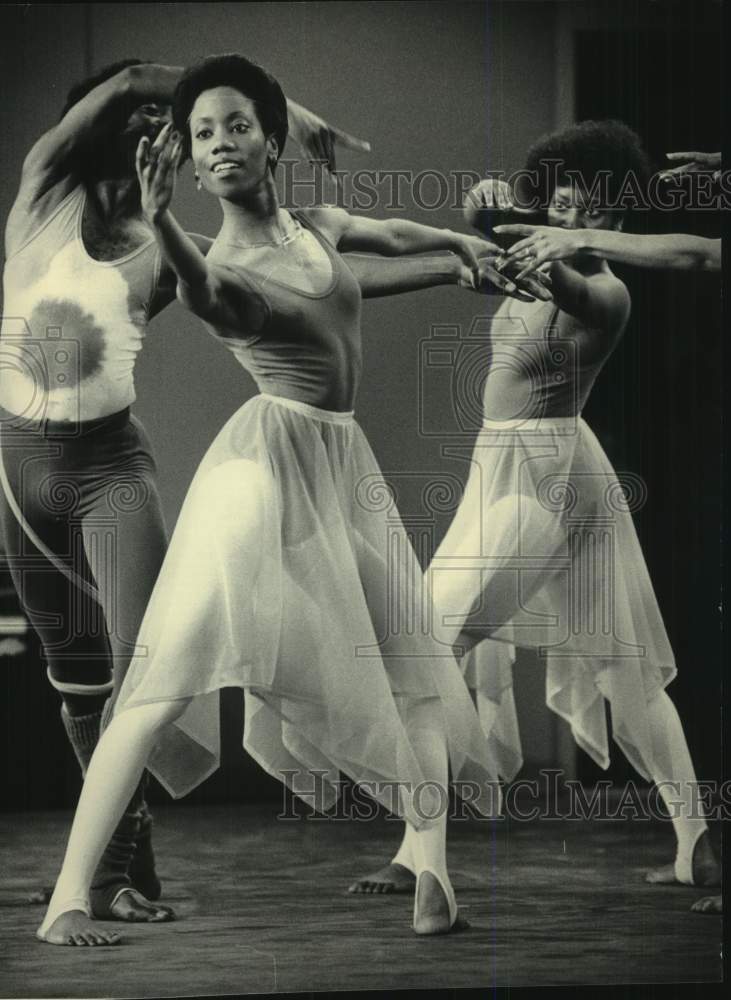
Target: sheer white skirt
290	575
543	553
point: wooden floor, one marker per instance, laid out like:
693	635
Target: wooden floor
263	908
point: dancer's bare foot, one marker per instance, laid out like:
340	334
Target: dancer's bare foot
133	908
76	929
434	911
706	869
130	905
708	904
391	878
143	879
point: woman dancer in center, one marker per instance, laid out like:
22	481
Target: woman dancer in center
281	578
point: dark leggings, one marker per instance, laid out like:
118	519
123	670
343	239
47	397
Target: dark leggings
87	492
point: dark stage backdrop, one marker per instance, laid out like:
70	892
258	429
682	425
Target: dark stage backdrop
657	406
443	87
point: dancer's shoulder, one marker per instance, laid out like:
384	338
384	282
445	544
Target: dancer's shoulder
34	207
330	220
239	306
606	282
597	301
616	298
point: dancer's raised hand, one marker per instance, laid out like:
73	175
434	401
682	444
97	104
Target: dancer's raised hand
539	245
157	165
317	139
470	249
693	163
484	201
492	194
490	281
537	284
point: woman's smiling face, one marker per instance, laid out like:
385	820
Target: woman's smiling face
230	152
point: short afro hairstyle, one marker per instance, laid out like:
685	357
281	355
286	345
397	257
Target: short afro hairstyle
84	87
232	70
587	152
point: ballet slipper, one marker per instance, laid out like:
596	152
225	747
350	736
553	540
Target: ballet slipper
437	923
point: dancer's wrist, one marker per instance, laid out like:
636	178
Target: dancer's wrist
156	216
456	273
585	241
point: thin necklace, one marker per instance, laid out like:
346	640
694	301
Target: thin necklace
279	241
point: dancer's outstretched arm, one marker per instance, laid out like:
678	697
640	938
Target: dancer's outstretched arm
379	277
200	288
317	139
51	166
395	237
97	115
693	163
678	251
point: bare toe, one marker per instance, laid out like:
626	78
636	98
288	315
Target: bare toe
75	929
105	937
708	904
390	878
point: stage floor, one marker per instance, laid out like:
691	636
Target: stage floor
263	907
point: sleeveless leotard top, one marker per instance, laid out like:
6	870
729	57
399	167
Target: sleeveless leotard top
72	326
534	371
309	348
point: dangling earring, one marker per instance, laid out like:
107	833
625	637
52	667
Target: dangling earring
198	183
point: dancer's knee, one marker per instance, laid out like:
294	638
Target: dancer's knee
82	693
